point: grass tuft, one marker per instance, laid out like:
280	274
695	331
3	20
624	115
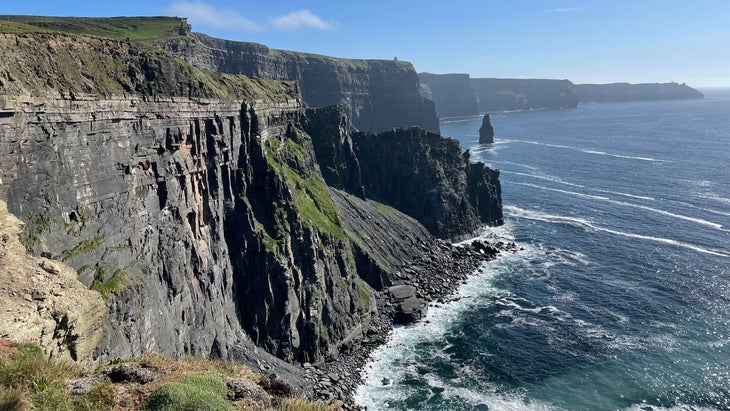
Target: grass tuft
206	391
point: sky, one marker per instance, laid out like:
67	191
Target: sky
585	41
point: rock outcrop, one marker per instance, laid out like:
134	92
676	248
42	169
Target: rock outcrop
377	95
617	92
486	131
498	94
205	207
42	301
427	177
452	94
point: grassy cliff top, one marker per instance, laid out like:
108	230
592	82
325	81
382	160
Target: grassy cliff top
151	30
52	63
118	28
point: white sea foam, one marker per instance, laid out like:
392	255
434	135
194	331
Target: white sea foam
588	225
386	361
618	193
709	210
567	183
587	151
512	163
544	177
681	407
696	220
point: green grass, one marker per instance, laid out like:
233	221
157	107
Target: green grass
116	283
83	247
117	28
311	197
36	225
28	377
363	294
206	391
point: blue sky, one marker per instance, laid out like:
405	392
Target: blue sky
584	41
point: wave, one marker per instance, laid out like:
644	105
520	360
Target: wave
567	183
696	207
587	151
618	193
525	166
680	407
588	225
544	177
717	198
716	226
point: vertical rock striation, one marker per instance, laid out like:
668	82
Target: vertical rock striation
496	94
452	94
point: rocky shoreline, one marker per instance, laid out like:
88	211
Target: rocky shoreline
434	278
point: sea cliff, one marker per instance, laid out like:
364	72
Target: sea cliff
460	95
617	92
497	94
377	95
218	216
453	94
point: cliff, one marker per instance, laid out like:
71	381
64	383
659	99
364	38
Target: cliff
377	95
459	95
204	207
452	94
617	92
519	94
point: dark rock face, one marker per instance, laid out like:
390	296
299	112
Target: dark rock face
377	94
617	92
452	94
496	94
460	95
486	131
427	177
419	173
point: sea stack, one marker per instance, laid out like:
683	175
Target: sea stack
486	132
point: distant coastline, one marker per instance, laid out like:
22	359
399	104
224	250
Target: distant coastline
458	95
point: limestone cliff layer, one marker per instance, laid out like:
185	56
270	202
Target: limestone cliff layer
496	94
452	93
616	92
460	95
377	94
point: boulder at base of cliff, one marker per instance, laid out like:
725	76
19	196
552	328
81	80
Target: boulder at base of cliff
486	132
409	307
42	301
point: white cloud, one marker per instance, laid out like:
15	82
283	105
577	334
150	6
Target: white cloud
298	20
199	13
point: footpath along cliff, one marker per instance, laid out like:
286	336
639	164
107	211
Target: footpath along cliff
215	214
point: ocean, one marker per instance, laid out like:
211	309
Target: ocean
620	298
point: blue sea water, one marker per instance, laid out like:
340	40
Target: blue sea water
620	299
